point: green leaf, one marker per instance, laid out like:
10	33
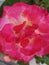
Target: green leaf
43	59
10	2
39	59
46	59
22	63
45	3
36	1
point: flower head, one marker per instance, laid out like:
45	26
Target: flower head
24	31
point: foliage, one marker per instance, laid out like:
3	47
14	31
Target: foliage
22	63
43	59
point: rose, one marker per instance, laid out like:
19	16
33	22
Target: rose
24	31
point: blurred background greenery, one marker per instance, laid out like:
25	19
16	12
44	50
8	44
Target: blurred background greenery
41	3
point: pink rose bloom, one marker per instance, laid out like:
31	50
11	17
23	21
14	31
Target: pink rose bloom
24	31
